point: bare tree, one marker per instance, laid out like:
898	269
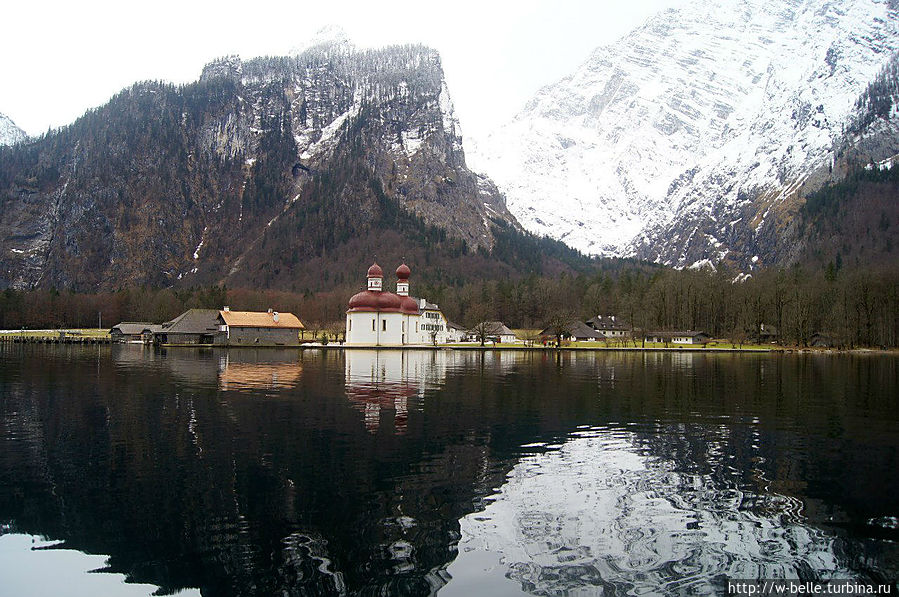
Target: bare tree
477	322
530	337
559	324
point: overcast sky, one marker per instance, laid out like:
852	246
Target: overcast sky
61	58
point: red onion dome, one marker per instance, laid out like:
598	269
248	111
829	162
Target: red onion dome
408	305
375	301
375	271
403	272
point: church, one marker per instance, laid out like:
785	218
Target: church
377	317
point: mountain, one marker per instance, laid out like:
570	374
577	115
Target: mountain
281	172
687	140
9	132
849	212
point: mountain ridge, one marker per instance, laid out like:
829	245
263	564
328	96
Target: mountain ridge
676	143
258	174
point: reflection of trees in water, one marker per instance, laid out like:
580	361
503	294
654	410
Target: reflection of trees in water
186	483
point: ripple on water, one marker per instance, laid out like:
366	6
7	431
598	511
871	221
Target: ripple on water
598	512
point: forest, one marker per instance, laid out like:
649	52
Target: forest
856	308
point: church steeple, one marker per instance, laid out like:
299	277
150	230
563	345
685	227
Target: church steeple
402	280
375	278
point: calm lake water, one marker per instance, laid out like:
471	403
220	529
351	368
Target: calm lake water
126	470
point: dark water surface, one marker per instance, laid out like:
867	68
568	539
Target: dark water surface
280	472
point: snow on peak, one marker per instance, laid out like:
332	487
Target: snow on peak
10	134
693	114
329	35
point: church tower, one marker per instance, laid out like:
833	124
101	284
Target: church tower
375	278
402	280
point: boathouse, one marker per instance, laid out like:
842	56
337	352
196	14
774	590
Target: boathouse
195	326
131	331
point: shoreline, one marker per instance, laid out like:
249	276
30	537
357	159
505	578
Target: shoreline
777	350
53	337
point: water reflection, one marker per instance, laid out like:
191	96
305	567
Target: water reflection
389	472
74	574
237	375
233	369
384	381
604	510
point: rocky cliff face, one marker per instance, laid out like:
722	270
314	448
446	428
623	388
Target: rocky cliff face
246	174
9	132
687	141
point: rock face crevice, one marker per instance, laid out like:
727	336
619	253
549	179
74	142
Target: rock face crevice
688	140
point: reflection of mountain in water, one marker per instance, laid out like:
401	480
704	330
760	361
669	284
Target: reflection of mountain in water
386	380
185	482
188	484
627	519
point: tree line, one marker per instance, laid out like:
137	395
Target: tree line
853	308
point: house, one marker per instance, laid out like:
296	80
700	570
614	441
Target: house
493	331
610	326
377	317
433	324
130	331
193	327
679	337
454	332
253	328
767	333
576	331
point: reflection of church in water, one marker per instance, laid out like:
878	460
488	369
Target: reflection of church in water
385	384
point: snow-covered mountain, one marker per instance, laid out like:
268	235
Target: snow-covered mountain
9	132
681	142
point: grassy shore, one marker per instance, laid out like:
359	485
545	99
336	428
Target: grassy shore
83	332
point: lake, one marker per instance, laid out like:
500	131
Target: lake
129	470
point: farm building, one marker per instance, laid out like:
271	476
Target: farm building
252	328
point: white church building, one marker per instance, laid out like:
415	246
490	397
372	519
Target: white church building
377	317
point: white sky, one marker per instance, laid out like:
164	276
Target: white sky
61	58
